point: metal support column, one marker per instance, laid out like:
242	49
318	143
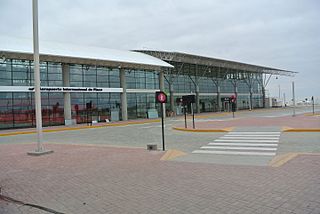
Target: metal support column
250	91
219	98
236	93
197	99
263	97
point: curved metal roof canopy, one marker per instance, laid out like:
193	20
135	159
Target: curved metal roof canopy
214	62
67	53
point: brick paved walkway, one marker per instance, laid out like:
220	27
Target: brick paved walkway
89	179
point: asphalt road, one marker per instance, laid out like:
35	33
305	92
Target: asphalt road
139	135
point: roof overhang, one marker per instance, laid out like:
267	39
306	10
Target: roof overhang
214	62
67	53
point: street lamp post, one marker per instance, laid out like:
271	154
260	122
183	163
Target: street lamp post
293	100
37	93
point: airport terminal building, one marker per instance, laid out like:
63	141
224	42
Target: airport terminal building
119	85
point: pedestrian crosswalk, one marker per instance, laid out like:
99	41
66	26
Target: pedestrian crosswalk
243	143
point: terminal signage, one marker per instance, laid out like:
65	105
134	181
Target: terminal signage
68	89
58	89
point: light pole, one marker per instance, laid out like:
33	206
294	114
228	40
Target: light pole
293	100
37	93
312	99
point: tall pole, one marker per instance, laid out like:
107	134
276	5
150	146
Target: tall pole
37	93
312	104
293	100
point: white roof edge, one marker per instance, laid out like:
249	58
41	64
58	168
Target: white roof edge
20	45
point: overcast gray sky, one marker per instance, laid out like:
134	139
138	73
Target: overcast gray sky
279	33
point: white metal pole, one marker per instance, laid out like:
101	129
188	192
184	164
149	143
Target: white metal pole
37	93
293	100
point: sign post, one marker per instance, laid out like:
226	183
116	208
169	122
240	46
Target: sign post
161	98
186	100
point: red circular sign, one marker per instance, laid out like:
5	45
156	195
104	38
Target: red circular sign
162	97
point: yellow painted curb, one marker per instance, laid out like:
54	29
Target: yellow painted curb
311	114
79	128
16	133
203	130
133	123
172	154
212	115
301	130
280	160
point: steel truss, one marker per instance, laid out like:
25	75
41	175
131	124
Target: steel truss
197	67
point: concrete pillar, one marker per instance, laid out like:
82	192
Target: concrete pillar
172	97
161	81
197	99
66	95
219	97
123	85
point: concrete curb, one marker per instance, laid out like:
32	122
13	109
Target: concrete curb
172	154
301	130
202	130
280	160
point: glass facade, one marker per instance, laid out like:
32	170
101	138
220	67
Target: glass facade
17	108
185	83
140	79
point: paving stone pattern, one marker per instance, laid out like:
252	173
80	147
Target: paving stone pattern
97	179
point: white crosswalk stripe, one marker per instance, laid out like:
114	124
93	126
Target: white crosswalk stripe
243	143
239	148
250	138
242	140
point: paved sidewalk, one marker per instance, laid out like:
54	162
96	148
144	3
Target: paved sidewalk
98	179
10	132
